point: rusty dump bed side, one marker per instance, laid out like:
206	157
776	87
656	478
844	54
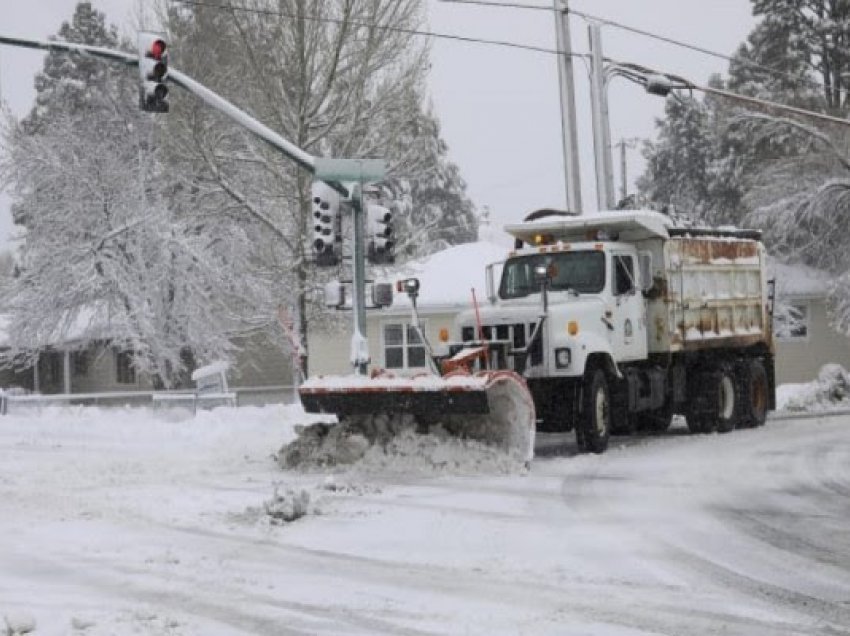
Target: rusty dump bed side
712	293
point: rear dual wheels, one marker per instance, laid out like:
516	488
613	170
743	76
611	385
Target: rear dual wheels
732	396
715	401
595	427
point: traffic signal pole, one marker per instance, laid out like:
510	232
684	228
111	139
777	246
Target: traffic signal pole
334	172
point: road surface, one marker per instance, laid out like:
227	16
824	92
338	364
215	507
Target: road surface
125	524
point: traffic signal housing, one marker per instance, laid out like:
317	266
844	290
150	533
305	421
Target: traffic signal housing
381	243
153	71
327	231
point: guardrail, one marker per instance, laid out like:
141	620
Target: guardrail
239	396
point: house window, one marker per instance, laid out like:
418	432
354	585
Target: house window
80	362
791	321
403	348
125	372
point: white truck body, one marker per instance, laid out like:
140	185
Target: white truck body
659	309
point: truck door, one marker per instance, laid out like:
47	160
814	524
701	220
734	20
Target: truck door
627	324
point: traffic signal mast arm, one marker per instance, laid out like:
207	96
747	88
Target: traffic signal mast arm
299	156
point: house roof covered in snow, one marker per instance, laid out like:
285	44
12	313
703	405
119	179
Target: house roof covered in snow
88	323
798	280
447	278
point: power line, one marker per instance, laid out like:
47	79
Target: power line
655	36
687	83
371	25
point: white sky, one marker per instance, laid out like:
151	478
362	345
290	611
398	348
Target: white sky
499	107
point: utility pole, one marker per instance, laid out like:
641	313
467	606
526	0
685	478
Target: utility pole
572	176
601	125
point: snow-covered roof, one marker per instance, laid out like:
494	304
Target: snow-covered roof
447	278
90	323
798	280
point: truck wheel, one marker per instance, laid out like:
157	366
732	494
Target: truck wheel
728	401
596	414
757	393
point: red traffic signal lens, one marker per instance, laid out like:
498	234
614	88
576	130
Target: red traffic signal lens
157	49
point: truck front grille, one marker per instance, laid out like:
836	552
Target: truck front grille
517	334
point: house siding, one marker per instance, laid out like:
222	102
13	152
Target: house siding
800	360
102	374
330	351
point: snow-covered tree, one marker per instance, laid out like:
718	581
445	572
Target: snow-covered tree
110	232
340	78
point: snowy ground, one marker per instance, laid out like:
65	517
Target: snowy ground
119	522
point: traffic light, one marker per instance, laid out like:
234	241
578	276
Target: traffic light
327	235
379	235
153	71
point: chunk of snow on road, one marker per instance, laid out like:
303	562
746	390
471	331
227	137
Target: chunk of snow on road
19	623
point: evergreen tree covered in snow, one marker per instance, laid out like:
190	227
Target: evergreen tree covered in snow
790	175
70	82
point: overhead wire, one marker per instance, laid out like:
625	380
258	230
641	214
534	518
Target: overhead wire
372	25
683	83
801	80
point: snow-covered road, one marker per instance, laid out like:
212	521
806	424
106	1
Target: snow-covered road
122	522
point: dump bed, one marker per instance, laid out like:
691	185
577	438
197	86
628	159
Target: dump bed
711	293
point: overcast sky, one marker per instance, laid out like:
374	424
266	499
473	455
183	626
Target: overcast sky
499	107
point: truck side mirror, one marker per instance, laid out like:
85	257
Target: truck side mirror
490	281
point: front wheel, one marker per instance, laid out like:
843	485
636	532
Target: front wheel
596	414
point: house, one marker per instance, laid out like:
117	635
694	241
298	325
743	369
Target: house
803	345
805	341
85	360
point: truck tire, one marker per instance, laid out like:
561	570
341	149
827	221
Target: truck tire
757	393
701	409
595	428
728	400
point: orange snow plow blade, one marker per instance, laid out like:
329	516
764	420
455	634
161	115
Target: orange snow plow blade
494	407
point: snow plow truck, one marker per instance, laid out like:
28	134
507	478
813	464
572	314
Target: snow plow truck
603	324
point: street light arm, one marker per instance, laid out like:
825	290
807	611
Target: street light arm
639	75
763	103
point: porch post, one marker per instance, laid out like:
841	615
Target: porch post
66	372
36	384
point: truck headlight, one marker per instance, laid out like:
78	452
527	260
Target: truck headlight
563	357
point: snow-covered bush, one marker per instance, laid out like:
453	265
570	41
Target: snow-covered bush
831	389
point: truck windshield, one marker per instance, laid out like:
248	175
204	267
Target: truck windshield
582	272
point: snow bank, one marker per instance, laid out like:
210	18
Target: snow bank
393	445
831	390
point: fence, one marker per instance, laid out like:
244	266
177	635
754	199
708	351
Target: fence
239	396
